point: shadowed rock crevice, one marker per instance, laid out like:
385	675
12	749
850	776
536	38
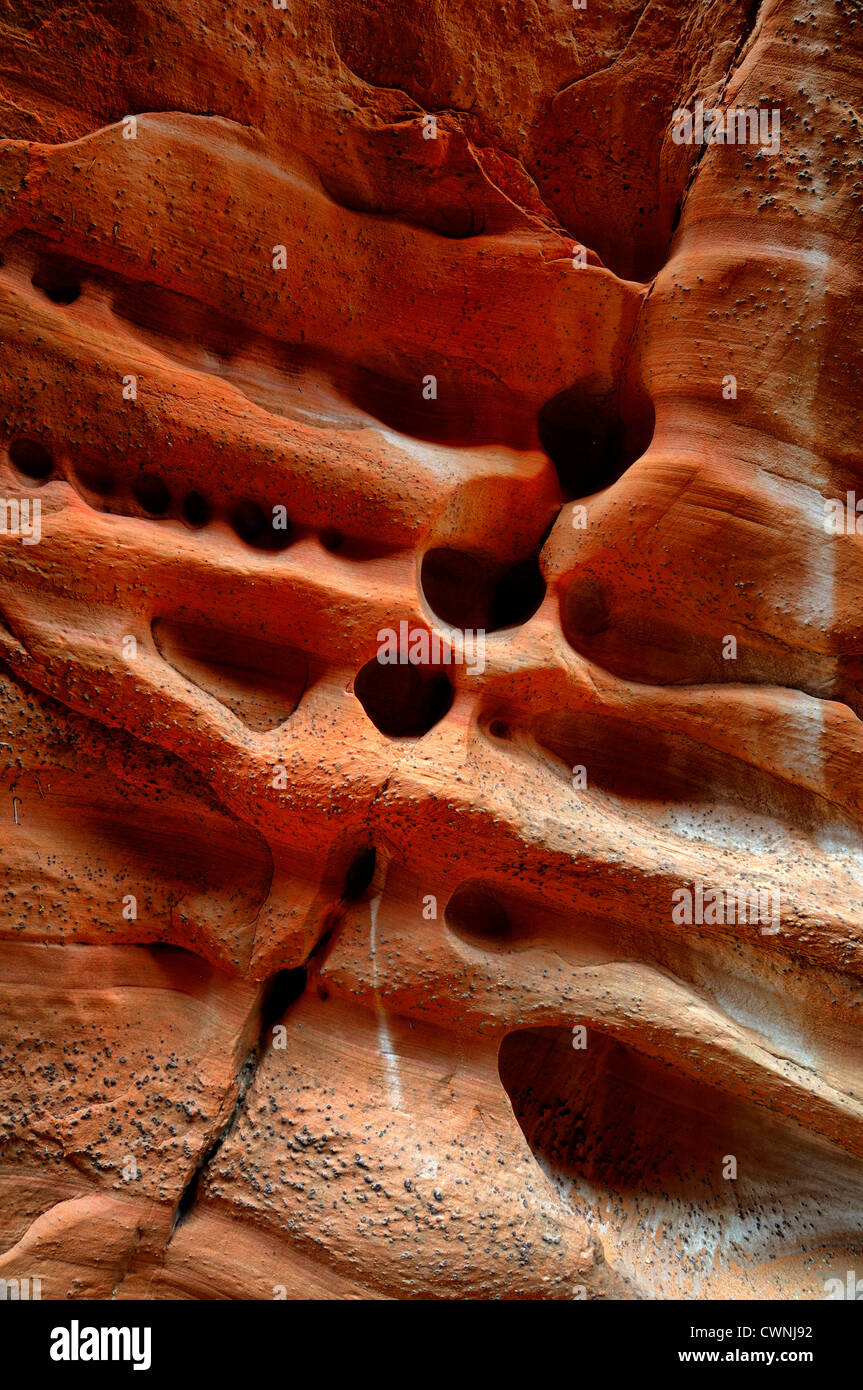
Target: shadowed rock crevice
499	918
261	682
277	997
94	856
638	1149
58	279
637	634
706	793
360	873
476	913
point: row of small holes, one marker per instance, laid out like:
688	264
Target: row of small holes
248	519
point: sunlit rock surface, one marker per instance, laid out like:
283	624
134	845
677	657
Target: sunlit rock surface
327	977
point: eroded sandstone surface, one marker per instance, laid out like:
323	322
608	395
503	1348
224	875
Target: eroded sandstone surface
328	977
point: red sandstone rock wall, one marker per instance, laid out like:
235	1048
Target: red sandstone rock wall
325	977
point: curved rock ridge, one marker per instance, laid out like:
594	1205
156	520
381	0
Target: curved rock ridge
431	661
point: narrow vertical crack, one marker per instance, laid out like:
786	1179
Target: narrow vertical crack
747	37
277	995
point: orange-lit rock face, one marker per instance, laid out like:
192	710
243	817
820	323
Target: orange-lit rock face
533	973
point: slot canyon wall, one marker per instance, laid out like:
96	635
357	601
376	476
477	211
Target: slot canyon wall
351	323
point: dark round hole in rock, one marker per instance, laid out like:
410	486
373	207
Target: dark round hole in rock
249	522
332	540
196	510
517	594
465	591
151	494
279	529
264	531
458	587
59	285
403	701
498	729
476	914
31	458
93	478
589	441
359	875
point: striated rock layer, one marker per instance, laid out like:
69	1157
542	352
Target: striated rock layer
327	977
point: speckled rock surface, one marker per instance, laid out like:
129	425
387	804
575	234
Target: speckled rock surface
329	978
